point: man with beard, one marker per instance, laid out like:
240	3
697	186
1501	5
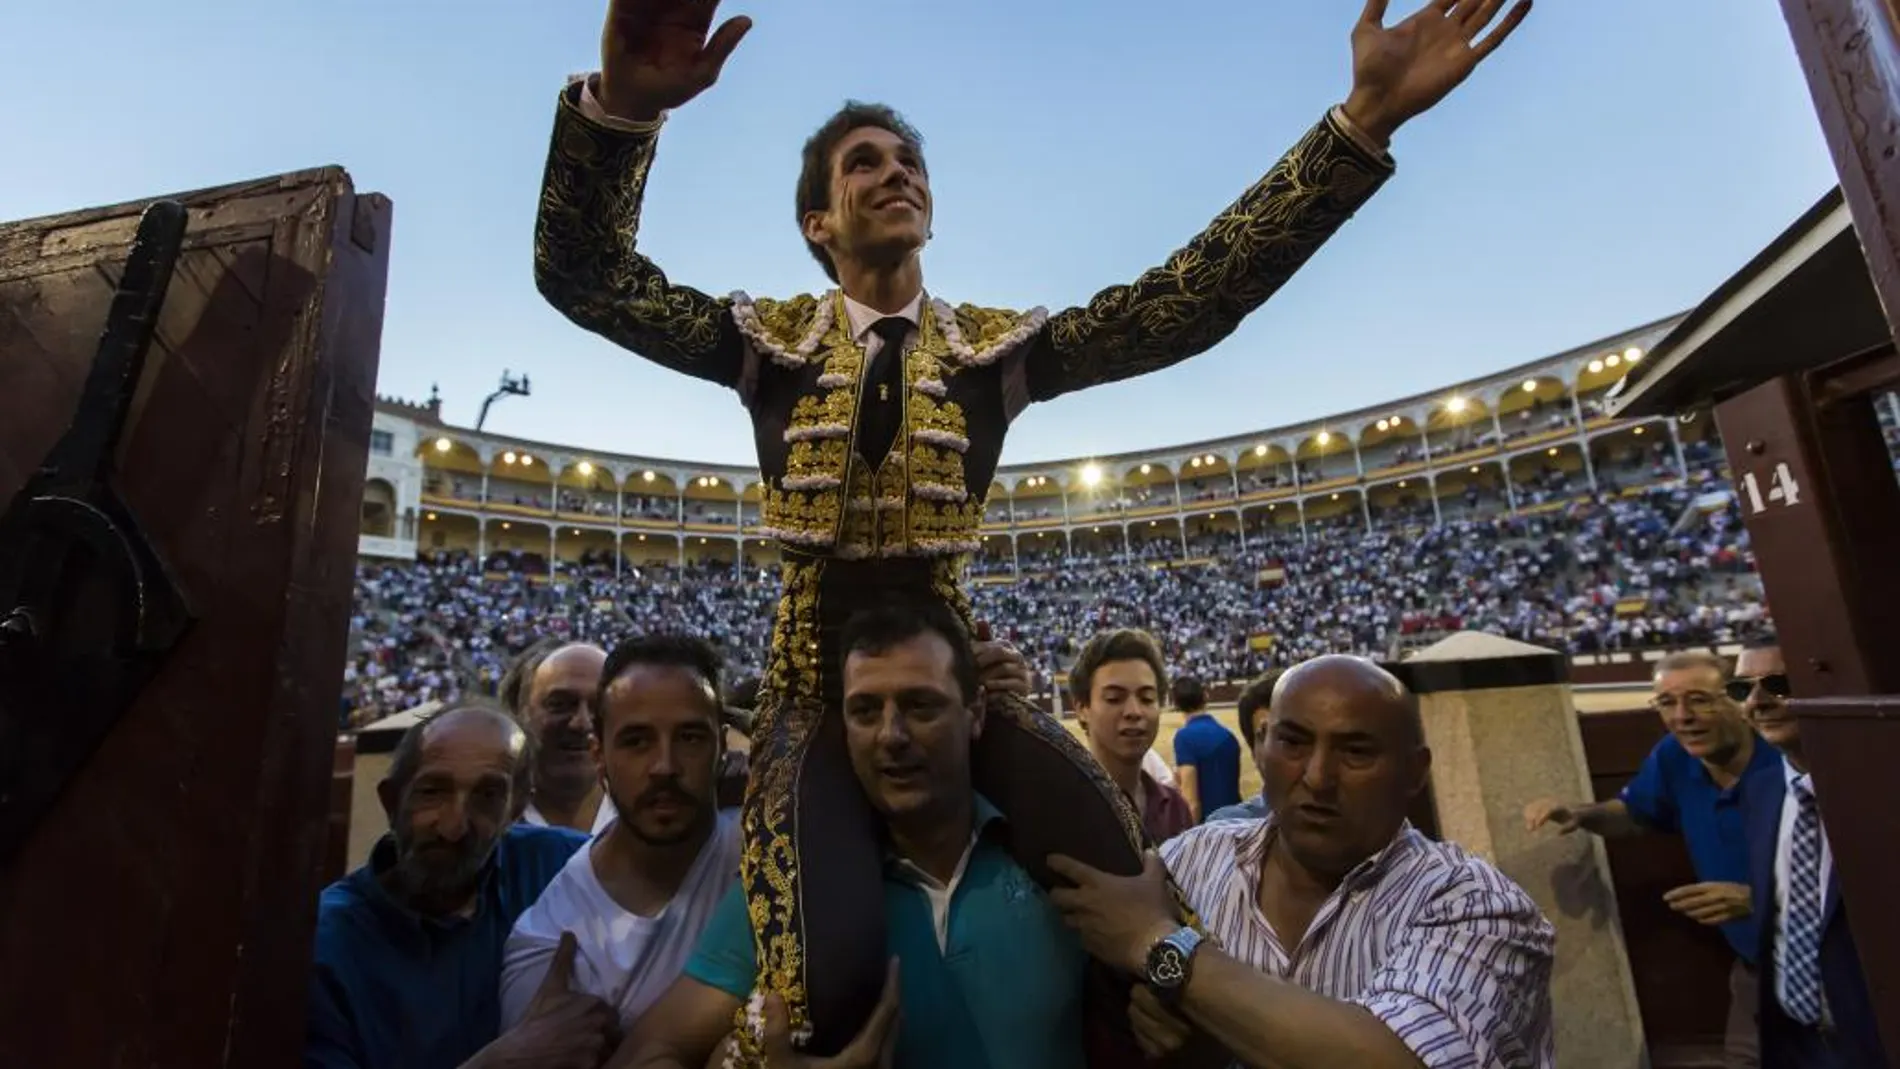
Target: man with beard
1693	784
988	975
552	688
408	947
639	895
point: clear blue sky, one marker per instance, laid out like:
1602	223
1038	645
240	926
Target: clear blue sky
1611	165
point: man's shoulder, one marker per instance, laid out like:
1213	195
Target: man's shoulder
1669	753
787	330
1203	736
1198	848
1453	885
538	850
982	335
345	915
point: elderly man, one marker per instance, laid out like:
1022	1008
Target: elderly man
409	947
552	688
1816	1012
1692	784
1341	936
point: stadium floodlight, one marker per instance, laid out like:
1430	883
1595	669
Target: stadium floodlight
647	476
1456	405
443	445
1260	450
1596	366
509	457
1091	475
585	468
1632	355
1325	438
1530	385
1146	468
1383	424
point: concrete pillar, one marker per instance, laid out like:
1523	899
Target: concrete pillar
1503	731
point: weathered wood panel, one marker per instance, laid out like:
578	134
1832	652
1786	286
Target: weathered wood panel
160	914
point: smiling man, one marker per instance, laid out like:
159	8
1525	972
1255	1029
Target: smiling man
1692	784
880	410
552	688
1117	683
986	973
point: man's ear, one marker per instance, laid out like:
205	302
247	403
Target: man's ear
392	801
978	714
1424	776
817	228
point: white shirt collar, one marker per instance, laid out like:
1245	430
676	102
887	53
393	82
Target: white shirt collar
863	317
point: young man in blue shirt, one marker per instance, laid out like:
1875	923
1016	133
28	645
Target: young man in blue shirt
986	974
1206	754
408	947
1252	708
1692	784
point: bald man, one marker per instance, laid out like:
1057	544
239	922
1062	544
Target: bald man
551	688
408	947
1344	936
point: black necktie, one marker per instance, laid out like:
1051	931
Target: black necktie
883	391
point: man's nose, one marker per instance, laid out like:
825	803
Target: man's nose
665	759
893	728
451	821
1320	773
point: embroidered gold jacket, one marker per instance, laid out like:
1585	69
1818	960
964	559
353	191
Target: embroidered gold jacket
801	373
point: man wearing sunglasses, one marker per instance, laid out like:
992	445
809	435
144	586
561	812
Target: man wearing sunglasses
1692	784
1815	1009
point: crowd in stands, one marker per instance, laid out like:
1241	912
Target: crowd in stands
1667	565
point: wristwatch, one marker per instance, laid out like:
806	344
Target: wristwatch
1171	962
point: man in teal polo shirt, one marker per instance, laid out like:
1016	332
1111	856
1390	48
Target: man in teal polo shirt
987	976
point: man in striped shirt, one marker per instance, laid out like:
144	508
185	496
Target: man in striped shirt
1339	934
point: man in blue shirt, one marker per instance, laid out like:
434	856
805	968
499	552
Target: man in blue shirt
1692	785
1206	754
1253	707
986	975
408	947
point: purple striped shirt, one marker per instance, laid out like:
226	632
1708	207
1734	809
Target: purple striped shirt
1439	945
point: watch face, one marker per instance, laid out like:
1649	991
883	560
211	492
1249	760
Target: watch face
1167	966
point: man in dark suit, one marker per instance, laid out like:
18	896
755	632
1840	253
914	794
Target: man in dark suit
1815	1011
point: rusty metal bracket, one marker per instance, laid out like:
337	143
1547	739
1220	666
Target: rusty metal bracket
88	609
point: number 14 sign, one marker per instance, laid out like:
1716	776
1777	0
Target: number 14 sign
1782	489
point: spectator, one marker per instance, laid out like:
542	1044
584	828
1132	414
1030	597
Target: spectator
408	947
955	902
1341	936
639	895
1254	706
1206	754
1116	684
1816	1012
1692	784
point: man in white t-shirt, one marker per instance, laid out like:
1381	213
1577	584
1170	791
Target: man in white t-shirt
637	897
